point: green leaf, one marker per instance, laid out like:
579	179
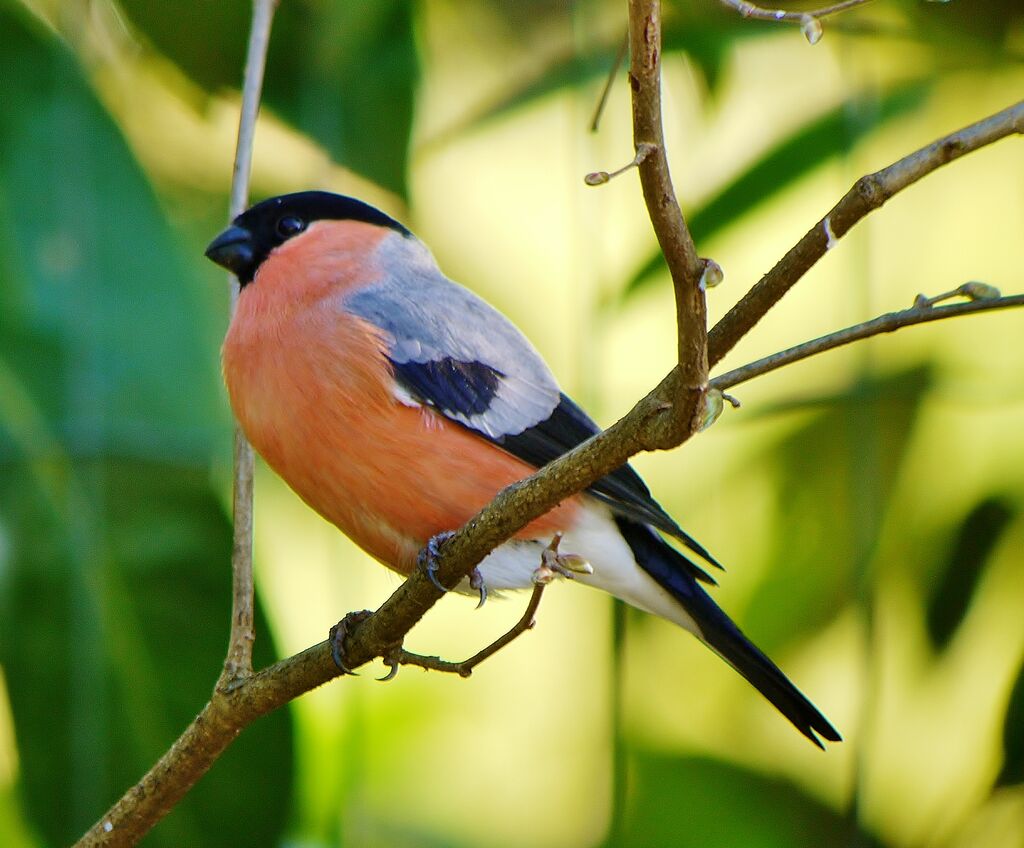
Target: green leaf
952	589
822	138
1012	771
343	73
836	475
706	42
701	802
114	548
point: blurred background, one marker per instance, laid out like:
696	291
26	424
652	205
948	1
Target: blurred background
868	503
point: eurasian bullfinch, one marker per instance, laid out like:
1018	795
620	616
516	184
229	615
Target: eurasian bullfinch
397	404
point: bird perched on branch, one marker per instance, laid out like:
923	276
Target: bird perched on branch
397	404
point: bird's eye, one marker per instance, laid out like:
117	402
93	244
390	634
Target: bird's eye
289	226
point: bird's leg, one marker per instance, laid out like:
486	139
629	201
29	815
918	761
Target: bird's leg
338	634
553	564
427	558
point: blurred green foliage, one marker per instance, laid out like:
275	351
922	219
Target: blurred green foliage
115	542
113	588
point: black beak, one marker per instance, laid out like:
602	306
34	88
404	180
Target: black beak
233	249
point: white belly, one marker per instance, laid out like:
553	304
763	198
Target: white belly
596	538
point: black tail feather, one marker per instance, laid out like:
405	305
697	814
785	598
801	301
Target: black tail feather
673	572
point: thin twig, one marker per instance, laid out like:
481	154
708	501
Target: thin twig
400	656
751	10
597	178
607	90
867	194
666	216
238	661
887	323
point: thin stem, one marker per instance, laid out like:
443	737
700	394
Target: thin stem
867	195
216	726
751	10
620	55
238	661
887	323
666	216
400	656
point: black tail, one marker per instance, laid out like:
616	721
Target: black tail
673	572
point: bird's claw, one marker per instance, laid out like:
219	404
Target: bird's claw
426	560
393	663
476	581
339	633
553	564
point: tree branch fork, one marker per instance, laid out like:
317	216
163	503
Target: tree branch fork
664	419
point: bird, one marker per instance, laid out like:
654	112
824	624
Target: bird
397	403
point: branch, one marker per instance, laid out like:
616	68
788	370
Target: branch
887	323
751	10
810	21
238	661
234	707
666	217
867	194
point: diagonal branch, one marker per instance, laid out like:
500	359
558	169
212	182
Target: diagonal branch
867	195
888	323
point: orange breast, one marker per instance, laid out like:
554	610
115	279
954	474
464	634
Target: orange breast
312	389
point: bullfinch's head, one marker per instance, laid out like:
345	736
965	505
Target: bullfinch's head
258	231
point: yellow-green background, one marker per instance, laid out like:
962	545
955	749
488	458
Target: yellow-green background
867	503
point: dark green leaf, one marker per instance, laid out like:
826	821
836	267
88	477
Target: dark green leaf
1012	771
836	478
346	74
343	73
953	587
975	34
114	549
706	803
828	135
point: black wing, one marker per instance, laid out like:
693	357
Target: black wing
467	388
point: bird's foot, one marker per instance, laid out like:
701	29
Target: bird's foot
339	633
426	560
554	564
427	563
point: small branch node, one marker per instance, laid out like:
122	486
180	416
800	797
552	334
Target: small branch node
643	150
711	276
812	29
711	408
972	290
554	564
